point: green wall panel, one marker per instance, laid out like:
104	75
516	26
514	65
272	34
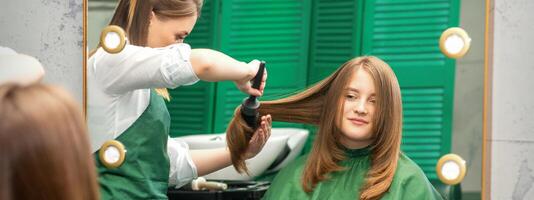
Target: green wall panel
405	33
335	35
276	31
192	107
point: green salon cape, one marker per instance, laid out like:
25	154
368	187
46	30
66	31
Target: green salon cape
409	181
145	171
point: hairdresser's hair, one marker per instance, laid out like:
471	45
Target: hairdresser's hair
322	105
44	148
134	17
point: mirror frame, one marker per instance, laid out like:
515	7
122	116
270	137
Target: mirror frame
486	110
485	192
84	62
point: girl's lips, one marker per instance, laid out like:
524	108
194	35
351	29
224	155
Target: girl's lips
358	121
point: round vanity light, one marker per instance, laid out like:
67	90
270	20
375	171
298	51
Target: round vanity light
451	169
112	154
454	42
113	39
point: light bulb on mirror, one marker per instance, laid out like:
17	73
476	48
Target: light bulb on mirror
451	169
454	42
113	39
112	154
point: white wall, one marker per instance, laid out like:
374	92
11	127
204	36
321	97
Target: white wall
51	31
512	139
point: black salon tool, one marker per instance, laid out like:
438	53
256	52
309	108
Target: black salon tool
249	107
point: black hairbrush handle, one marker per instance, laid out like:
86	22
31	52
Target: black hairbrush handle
249	107
257	79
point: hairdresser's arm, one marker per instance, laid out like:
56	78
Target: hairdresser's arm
138	67
211	65
210	160
142	67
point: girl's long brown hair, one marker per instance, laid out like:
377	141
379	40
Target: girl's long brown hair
322	105
134	17
44	147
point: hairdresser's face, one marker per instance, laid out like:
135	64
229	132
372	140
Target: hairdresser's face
358	110
163	32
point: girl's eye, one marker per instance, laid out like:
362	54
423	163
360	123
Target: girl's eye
372	100
350	96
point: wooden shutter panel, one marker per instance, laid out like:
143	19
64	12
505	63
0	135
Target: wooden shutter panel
276	31
405	33
191	107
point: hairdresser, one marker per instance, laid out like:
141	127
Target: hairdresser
127	117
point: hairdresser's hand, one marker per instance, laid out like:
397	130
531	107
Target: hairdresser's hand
260	137
245	84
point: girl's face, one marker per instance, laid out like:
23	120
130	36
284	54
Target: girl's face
164	32
359	101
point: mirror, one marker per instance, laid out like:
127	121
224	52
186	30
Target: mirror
301	40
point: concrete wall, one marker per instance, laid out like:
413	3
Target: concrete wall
51	31
512	97
468	96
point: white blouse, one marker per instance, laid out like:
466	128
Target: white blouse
119	92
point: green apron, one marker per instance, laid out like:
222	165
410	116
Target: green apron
145	171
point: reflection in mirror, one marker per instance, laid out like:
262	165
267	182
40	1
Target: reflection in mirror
98	17
454	42
301	40
113	39
468	96
112	154
451	169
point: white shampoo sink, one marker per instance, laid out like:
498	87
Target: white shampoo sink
284	145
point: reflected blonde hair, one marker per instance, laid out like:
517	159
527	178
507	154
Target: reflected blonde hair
322	105
44	146
134	17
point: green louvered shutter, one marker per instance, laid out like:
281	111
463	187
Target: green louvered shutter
335	36
191	107
276	31
405	33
